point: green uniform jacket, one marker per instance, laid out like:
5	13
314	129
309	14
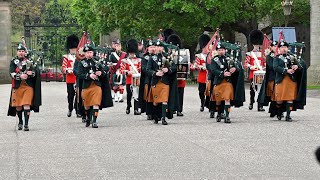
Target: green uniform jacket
220	64
33	81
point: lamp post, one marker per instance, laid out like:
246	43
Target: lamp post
287	7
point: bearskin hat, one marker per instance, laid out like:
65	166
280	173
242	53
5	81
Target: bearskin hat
167	33
132	46
256	37
203	40
174	39
72	41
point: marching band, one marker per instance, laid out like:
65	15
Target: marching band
155	75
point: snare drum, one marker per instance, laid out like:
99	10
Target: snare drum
258	77
135	79
183	62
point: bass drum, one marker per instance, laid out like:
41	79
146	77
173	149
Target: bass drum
183	63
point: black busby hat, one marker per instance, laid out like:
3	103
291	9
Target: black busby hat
174	39
203	40
220	46
132	46
88	47
256	37
283	43
167	33
72	41
21	47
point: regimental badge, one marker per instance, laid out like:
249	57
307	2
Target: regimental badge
216	59
91	71
147	57
272	55
87	48
84	64
155	58
16	61
221	66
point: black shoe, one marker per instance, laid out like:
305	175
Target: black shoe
69	113
211	114
88	122
179	114
128	110
20	127
26	128
164	122
261	109
272	115
149	117
121	100
156	120
94	125
174	112
279	116
218	118
250	106
201	109
79	116
227	120
136	112
288	118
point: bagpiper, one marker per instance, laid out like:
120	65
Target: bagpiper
68	62
228	83
254	62
159	68
267	89
131	68
150	52
26	87
96	92
290	82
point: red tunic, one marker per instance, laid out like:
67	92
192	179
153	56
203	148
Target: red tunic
67	63
181	83
125	67
251	62
202	76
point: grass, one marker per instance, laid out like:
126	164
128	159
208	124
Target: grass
313	87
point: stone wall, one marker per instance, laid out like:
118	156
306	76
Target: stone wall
5	41
314	69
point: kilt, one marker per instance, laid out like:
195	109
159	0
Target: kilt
146	92
287	90
270	89
91	95
159	93
22	95
207	91
223	91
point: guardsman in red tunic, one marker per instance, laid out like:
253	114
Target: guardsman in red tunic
67	68
254	61
131	68
200	65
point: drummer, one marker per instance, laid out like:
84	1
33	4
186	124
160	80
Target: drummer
254	62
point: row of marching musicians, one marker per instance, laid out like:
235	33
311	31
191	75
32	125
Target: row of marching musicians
151	79
277	77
